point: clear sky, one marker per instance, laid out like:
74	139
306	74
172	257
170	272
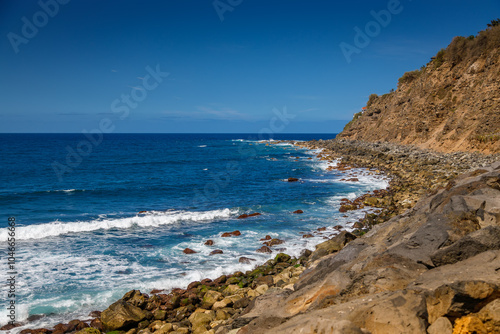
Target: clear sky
73	66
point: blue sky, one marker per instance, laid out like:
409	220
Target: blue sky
232	64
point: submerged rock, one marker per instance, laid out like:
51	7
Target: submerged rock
245	260
264	249
217	251
231	234
245	215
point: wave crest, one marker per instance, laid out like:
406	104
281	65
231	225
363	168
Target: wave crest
151	219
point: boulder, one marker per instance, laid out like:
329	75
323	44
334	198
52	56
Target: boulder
188	251
472	244
335	244
245	215
122	315
371	201
245	260
273	242
490	316
241	303
456	299
282	257
209	243
200	322
160	314
210	298
264	249
292	179
217	251
231	234
89	330
440	326
298	211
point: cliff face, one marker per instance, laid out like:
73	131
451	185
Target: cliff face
451	104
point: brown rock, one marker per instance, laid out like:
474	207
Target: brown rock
96	323
333	245
264	249
209	243
217	251
292	179
357	225
245	260
231	234
8	327
273	242
298	211
322	229
268	237
188	251
307	236
155	291
245	215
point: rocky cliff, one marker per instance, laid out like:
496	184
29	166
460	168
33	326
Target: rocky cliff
451	104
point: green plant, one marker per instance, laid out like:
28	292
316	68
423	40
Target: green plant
494	23
355	117
439	60
486	138
409	77
371	99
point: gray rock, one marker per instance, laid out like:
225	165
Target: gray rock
477	242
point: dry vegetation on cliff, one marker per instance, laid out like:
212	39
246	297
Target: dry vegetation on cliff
451	104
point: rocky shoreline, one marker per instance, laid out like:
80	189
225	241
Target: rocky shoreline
427	262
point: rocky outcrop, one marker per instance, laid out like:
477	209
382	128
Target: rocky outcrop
432	269
126	313
451	104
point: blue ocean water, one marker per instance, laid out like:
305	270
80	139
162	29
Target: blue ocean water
81	241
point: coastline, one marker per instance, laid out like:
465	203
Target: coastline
222	305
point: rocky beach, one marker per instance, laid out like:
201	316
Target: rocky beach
427	262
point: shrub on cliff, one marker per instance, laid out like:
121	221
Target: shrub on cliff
371	99
462	48
355	117
494	23
409	77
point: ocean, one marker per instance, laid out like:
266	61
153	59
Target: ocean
99	216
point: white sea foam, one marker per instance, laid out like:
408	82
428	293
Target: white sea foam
65	190
324	165
151	219
202	146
